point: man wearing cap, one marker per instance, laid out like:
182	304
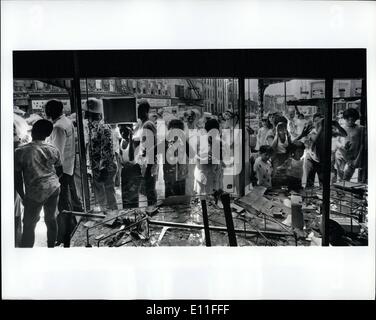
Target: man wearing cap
63	138
102	155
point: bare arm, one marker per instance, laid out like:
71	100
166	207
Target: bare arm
306	130
319	132
297	111
275	141
338	129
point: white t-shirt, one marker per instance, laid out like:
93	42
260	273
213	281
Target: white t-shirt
262	134
116	136
282	146
263	172
309	143
292	128
300	123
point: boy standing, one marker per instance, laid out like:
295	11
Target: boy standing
263	168
38	165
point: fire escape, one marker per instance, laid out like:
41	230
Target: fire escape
192	87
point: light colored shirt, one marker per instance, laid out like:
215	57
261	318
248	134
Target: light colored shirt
262	134
37	161
148	127
116	136
263	172
282	146
311	150
300	123
351	144
292	128
101	151
125	153
294	168
208	173
63	138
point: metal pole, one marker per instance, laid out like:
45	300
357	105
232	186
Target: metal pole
261	97
249	93
363	104
80	131
215	97
233	95
242	131
284	84
225	198
363	172
325	167
206	222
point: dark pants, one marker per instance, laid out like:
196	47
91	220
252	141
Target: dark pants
278	159
32	215
312	167
149	183
17	219
174	188
252	173
118	171
18	230
65	222
104	190
75	200
130	184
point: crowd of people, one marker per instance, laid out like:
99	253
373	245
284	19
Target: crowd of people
290	148
160	146
47	166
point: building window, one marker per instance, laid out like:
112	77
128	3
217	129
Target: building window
179	91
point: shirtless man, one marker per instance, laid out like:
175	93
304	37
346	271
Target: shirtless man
348	156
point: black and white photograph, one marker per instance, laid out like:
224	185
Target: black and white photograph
187	154
89	181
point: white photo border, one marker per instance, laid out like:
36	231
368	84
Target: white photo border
184	273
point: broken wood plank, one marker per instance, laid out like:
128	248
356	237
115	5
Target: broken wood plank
163	232
216	228
84	214
237	208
